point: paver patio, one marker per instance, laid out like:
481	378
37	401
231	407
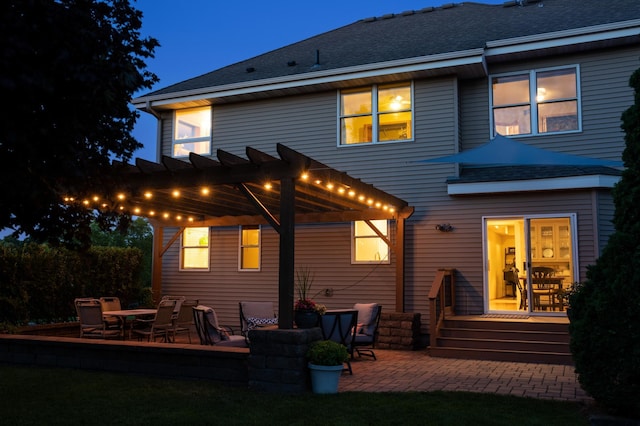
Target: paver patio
401	371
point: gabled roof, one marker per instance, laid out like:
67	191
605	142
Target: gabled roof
454	38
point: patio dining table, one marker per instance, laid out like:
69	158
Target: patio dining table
124	314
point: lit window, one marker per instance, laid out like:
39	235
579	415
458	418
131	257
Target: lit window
376	114
195	249
536	102
368	247
192	132
249	248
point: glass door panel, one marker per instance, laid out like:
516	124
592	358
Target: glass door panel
551	263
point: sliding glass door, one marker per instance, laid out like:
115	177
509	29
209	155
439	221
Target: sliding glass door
529	263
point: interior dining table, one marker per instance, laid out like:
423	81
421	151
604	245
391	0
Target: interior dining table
548	288
124	314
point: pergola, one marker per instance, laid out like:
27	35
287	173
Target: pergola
261	189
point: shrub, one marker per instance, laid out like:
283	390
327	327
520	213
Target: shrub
327	352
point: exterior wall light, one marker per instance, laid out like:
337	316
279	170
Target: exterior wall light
444	227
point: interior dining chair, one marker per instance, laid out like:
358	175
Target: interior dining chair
340	326
367	329
211	332
92	324
512	278
544	291
162	325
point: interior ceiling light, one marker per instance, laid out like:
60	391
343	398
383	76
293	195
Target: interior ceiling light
205	191
148	194
175	193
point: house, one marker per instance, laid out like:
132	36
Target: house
358	107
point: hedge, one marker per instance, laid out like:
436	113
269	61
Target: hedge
38	283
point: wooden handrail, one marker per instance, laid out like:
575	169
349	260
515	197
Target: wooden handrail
439	303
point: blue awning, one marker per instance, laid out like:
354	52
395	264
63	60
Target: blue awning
504	151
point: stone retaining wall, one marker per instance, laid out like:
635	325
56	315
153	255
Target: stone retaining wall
221	364
399	331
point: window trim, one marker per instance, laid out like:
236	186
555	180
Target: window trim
174	141
241	247
375	113
182	247
532	73
354	238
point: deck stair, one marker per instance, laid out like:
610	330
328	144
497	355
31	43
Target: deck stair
501	339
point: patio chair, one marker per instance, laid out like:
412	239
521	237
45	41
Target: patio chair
184	320
367	328
92	325
111	303
256	314
211	332
179	300
340	326
162	325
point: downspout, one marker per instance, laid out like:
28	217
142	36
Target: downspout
151	111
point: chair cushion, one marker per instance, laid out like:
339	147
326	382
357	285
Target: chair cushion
363	339
253	322
366	316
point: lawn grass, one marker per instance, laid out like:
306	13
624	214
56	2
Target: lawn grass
56	396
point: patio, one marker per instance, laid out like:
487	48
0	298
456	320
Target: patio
394	371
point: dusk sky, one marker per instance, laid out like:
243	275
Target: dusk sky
198	36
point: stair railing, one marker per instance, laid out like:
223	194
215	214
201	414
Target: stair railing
442	301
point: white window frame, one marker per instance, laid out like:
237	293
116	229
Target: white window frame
375	113
533	91
241	248
385	260
177	140
184	248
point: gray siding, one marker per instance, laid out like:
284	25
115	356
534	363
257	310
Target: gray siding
447	112
326	249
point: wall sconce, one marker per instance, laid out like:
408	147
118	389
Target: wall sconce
444	227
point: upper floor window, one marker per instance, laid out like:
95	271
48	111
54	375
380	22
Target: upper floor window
192	132
376	114
194	253
368	247
536	102
249	248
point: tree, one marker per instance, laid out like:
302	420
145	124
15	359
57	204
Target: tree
605	309
68	69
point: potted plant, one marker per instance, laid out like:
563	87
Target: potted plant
326	362
306	311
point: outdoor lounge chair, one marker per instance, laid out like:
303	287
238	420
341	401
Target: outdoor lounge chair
340	326
256	314
211	332
367	328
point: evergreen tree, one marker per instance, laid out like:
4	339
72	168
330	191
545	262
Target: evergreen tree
605	309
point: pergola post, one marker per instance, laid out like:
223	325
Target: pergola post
287	253
156	263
